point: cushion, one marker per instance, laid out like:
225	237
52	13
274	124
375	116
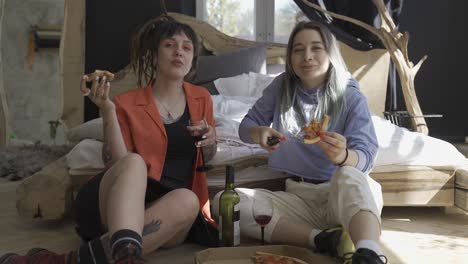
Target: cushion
275	69
211	87
210	68
91	129
85	158
247	85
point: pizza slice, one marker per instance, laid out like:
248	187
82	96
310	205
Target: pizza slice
315	129
268	258
100	73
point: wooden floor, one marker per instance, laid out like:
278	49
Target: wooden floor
410	235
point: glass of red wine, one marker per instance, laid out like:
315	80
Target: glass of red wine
197	129
262	211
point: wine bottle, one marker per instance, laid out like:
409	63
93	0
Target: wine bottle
229	214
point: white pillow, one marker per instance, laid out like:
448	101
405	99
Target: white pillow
85	158
228	113
258	82
249	85
91	129
233	86
232	107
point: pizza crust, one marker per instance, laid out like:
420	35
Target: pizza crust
100	73
269	258
315	129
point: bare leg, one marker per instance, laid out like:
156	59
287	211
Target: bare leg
364	226
293	233
169	219
122	195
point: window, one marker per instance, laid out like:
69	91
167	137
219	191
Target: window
261	20
287	14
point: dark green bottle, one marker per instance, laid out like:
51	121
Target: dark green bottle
229	214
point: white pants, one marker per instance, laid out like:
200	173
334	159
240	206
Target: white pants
319	206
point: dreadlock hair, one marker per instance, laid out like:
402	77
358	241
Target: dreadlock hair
330	101
145	45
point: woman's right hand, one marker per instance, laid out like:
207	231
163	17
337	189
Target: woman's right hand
261	135
99	92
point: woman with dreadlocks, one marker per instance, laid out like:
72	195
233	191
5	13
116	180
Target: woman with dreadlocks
151	195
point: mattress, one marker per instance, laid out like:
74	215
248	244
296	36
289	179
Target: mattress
401	185
416	187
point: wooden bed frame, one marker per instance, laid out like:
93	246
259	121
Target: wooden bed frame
410	188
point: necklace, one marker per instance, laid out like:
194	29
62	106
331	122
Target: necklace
169	117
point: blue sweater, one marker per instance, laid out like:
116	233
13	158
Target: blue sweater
308	160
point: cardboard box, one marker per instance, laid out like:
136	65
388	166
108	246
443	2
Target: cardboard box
243	255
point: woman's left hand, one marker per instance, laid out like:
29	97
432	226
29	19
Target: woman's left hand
334	146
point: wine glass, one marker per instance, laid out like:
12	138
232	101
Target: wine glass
262	211
197	130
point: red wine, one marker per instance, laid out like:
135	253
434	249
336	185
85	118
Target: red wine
263	220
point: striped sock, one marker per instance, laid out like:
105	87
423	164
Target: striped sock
126	242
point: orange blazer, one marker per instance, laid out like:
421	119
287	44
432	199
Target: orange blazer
144	133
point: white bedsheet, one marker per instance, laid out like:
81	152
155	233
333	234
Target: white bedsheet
401	147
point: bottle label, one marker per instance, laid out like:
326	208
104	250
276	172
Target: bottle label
236	221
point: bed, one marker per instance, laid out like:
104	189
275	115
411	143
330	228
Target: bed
413	169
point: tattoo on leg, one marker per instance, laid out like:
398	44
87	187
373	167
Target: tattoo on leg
152	227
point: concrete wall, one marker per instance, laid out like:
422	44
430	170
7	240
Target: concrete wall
33	95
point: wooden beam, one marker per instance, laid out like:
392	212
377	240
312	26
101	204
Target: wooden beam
47	194
4	114
72	56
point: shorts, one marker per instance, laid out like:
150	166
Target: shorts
88	218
